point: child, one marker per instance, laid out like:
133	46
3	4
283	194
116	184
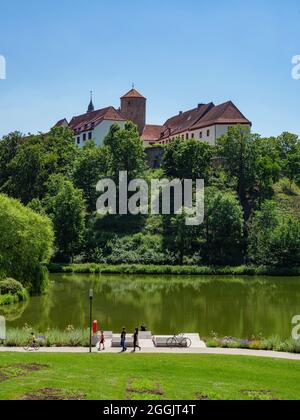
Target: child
102	341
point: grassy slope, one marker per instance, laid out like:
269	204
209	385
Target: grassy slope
108	376
288	198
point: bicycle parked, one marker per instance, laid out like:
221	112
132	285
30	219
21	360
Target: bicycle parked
179	341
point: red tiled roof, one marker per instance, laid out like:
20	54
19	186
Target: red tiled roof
185	120
204	116
152	132
92	119
133	94
226	113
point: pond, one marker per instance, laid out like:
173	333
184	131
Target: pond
230	306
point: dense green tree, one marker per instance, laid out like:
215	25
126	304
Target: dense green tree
26	243
223	229
90	166
8	149
180	239
27	171
274	238
125	152
65	205
252	161
286	144
292	166
36	159
188	159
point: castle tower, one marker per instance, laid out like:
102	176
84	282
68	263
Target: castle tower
133	107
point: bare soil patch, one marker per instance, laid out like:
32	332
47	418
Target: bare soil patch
139	388
51	394
260	395
14	371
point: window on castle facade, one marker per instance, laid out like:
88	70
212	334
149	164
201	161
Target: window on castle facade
208	133
90	136
84	137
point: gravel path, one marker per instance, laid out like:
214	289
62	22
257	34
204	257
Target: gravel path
227	352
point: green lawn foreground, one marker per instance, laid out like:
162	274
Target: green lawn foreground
158	377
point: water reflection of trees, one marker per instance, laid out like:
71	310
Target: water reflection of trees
229	305
13	312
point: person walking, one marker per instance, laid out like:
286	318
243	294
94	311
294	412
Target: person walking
102	341
136	343
123	340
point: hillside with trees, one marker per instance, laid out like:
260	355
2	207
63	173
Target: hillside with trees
252	198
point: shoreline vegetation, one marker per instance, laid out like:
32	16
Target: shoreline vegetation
243	270
11	292
72	337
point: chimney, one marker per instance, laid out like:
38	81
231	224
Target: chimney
200	105
180	112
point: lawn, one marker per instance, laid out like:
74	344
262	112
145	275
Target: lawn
111	377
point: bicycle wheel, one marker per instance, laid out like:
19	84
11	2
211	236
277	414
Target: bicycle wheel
172	342
29	348
186	342
36	347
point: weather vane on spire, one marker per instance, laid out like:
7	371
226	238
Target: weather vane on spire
133	86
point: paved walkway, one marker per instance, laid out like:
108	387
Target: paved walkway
226	352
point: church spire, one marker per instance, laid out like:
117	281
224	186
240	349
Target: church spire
91	107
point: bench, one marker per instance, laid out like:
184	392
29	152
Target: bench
116	341
145	335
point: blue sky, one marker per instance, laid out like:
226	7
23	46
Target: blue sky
178	53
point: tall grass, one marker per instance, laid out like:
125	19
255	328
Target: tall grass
274	343
18	337
93	268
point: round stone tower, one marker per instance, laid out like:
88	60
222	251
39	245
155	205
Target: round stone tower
133	108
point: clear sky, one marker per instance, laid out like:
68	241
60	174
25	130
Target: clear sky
178	53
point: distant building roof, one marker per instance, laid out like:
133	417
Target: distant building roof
91	119
203	116
226	113
152	132
185	120
133	94
62	123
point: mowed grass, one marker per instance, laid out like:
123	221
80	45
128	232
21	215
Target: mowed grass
140	377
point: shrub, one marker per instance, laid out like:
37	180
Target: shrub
10	286
11	291
274	238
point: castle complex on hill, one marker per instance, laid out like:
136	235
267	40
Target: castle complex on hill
206	122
